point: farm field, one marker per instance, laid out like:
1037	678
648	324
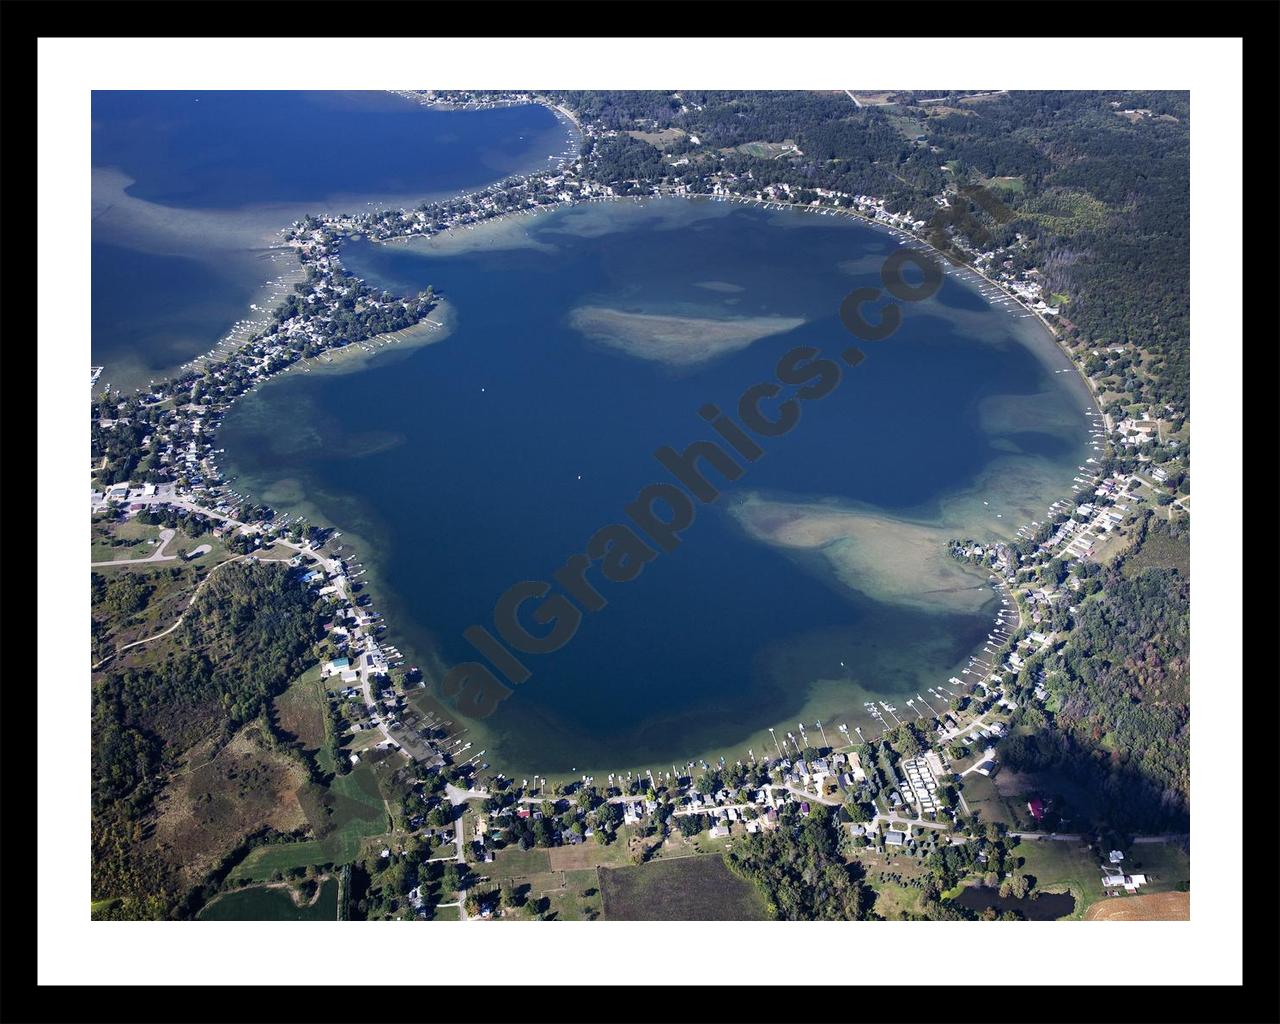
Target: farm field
699	888
1164	906
273	903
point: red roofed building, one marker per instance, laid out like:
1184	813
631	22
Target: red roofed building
1036	807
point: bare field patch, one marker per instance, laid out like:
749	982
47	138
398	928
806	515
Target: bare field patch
210	809
685	889
1158	906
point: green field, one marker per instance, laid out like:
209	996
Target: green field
514	862
768	150
1060	866
133	534
1068	211
261	903
343	816
895	902
1161	551
698	888
1006	184
659	139
303	711
985	800
1166	865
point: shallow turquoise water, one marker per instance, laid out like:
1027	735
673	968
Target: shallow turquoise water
179	254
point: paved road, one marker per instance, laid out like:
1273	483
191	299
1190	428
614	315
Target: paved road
1062	837
157	555
458	797
987	755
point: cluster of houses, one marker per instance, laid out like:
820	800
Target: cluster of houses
1115	879
922	783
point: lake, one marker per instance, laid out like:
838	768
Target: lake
584	340
191	191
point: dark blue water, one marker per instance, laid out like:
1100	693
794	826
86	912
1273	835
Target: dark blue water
226	150
161	310
178	258
476	445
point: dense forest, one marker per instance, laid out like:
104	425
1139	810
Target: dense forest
1106	200
241	643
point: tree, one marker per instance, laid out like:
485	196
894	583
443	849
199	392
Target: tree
857	811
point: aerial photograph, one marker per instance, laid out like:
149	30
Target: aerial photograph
639	505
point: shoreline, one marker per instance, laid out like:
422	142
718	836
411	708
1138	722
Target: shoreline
350	362
250	230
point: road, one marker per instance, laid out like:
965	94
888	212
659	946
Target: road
157	555
166	632
987	755
457	798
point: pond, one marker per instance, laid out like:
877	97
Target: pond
1044	906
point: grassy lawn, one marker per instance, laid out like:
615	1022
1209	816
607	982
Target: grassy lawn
895	902
1063	867
573	895
1006	184
514	862
132	539
589	855
767	150
1166	865
1113	544
572	903
985	800
659	139
683	889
